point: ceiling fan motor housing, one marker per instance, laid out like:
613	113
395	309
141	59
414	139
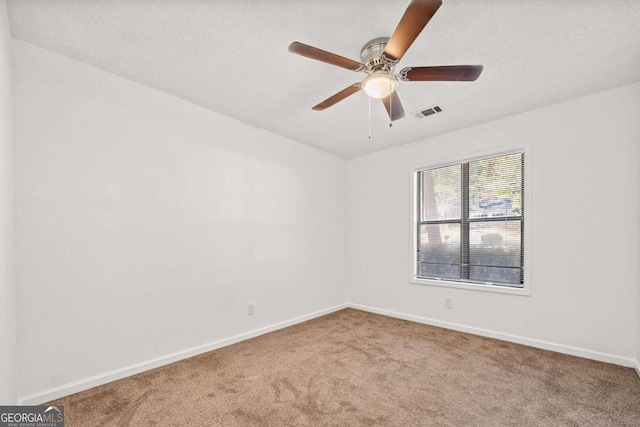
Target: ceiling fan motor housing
371	55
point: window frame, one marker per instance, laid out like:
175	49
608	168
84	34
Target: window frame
525	290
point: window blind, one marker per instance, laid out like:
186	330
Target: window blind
470	221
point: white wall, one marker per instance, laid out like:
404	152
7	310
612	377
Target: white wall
584	220
637	362
8	355
146	224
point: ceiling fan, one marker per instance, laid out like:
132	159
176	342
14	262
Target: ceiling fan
381	55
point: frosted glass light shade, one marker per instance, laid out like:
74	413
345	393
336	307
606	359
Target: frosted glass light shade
379	84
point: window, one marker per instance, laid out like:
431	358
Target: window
469	224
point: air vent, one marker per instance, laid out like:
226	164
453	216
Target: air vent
434	109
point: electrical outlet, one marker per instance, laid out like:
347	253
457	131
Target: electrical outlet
448	302
251	309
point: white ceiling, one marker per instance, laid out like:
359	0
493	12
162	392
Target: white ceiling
231	57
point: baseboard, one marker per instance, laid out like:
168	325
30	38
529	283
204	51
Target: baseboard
637	366
116	374
545	345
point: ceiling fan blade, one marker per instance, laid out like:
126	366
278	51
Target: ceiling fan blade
338	97
324	56
415	18
393	105
447	73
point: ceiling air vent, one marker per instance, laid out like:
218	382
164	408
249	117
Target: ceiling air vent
428	111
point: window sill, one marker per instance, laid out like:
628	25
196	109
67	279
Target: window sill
473	286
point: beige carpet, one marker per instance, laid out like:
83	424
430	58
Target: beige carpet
353	368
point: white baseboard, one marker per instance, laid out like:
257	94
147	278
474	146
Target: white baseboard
116	374
545	345
637	366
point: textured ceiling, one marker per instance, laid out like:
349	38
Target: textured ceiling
231	57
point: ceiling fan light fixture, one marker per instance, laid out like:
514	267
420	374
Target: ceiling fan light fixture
379	84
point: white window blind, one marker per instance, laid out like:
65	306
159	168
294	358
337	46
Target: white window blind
470	222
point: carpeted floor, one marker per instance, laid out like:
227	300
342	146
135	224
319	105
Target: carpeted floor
353	368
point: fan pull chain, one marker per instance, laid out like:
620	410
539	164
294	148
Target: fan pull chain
390	106
369	98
